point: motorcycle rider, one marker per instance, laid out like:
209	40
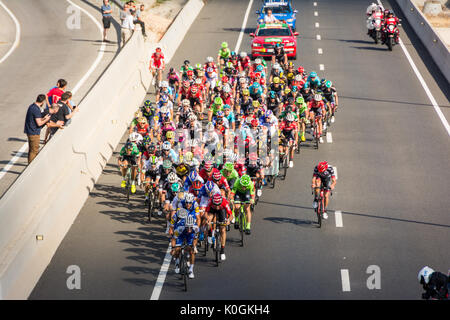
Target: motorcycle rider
376	14
434	283
390	19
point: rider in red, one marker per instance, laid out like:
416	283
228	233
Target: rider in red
221	182
220	207
157	63
207	171
390	19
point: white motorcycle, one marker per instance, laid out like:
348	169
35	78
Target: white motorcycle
374	26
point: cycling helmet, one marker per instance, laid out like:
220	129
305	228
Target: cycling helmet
245	180
153	160
262	81
298	77
258	61
129	146
290	117
259	68
158	49
186	84
218	100
229	166
220	114
229	64
185	102
317	97
134	136
209	186
243	54
322	166
198	80
216	175
147	103
189	198
242	80
245	92
294	89
224	45
190	72
313	74
287	90
142	120
217	199
225	107
300	100
210	127
424	275
226	88
197	185
254	123
192	117
209	60
328	84
198	66
166	146
186	62
300	69
167	164
208	165
272	94
164	99
193	176
256	103
290	75
276	80
170	135
182	213
172	177
164	84
209	70
268	113
276	65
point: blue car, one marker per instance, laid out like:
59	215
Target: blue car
281	9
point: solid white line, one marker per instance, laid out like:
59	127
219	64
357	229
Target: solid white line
315	4
244	23
329	138
99	56
17	40
321	67
345	280
23	149
424	85
316	13
317	24
162	275
318	37
319	51
335	172
338	218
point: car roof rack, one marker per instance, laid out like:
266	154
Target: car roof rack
276	2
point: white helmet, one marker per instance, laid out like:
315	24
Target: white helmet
166	146
134	136
425	273
226	88
258	61
242	74
210	127
242	80
165	109
189	198
209	59
195	162
243	54
276	65
182	213
172	177
290	117
192	117
164	84
298	77
198	81
185	102
318	97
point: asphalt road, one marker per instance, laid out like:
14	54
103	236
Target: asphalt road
391	153
48	50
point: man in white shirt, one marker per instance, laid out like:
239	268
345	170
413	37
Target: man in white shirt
127	27
269	17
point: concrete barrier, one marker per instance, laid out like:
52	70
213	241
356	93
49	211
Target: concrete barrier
49	194
430	39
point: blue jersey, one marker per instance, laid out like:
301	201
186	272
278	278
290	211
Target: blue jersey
188	182
315	83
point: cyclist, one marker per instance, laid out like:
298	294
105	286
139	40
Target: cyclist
313	80
184	227
435	284
150	174
192	177
254	169
288	128
174	80
129	155
323	177
331	97
184	68
157	65
243	193
303	115
280	56
221	182
219	211
315	111
223	55
243	62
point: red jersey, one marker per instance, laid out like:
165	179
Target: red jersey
244	63
206	175
157	62
228	100
210	65
143	131
241	169
184	93
315	104
393	20
286	126
54	95
222	183
223	206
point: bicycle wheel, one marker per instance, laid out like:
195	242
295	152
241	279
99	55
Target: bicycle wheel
285	165
272	184
242	224
128	189
184	271
217	246
205	244
319	213
316	135
150	206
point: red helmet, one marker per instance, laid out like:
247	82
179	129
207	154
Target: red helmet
251	75
194	89
262	81
216	175
253	156
158	49
208	165
254	123
186	83
258	75
197	185
322	166
224	79
301	69
217	199
190	73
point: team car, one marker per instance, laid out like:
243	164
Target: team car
267	35
281	9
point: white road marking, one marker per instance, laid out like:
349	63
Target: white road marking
345	280
244	23
315	4
335	172
17	39
424	85
338	218
318	37
319	51
316	13
162	275
321	67
329	137
23	149
317	24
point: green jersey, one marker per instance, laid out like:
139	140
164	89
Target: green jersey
238	187
224	53
301	107
232	176
134	152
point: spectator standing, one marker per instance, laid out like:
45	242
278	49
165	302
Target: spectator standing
107	16
34	121
52	125
127	27
139	21
55	93
124	13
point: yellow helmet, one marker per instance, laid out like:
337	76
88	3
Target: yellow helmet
287	90
142	120
170	134
245	92
276	80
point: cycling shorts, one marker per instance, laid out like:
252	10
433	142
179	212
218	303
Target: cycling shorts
221	214
130	159
289	135
317	111
189	237
240	197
